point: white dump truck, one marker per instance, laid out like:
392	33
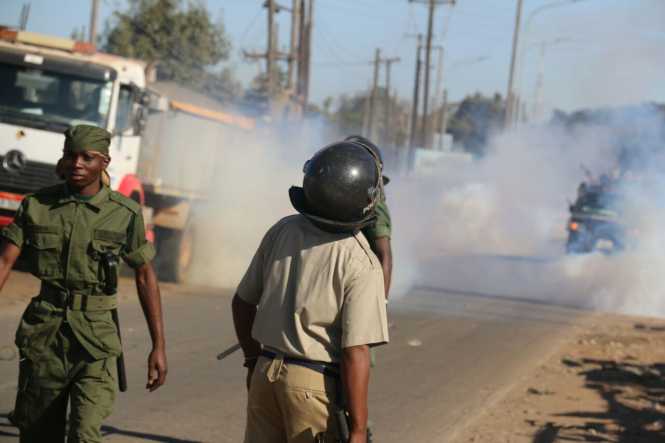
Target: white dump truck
164	149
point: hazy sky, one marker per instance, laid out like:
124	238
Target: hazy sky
597	51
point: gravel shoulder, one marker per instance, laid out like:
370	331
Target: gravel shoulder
605	383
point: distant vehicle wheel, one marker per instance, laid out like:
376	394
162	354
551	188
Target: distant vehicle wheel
576	244
175	252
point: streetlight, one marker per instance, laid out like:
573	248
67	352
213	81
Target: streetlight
543	46
510	94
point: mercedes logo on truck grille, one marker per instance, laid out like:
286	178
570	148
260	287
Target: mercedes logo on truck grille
14	161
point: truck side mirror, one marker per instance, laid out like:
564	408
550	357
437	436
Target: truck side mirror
152	100
140	119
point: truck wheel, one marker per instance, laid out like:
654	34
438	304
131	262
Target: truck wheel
175	251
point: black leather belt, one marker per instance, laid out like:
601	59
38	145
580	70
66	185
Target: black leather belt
329	369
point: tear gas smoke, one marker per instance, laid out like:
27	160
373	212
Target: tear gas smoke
497	225
493	226
250	194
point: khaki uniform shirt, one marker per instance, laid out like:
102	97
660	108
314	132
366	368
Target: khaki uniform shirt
316	292
61	238
383	225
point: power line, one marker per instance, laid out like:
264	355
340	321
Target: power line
249	26
332	64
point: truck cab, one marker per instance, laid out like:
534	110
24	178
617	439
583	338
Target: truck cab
49	84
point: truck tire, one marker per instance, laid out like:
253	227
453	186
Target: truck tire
174	253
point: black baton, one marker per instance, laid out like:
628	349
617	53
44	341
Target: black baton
110	264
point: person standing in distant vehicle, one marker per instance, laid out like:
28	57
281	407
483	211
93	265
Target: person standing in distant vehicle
71	236
378	234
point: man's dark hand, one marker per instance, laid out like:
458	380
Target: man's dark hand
250	372
358	437
157	369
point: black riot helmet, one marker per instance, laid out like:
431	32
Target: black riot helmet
372	147
341	187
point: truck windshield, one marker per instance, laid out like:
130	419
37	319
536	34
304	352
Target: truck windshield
51	100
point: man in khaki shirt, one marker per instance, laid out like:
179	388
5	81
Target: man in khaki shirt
311	304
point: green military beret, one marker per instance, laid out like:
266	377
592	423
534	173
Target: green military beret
87	138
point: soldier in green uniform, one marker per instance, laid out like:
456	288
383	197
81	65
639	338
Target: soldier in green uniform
67	339
378	235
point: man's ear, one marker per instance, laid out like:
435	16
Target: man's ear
59	170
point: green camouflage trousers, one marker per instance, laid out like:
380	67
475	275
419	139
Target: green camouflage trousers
64	373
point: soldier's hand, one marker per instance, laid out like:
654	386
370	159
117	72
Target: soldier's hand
358	437
157	369
250	372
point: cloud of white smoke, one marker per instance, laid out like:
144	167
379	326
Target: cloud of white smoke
249	194
498	225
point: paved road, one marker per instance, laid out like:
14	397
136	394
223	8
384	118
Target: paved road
450	354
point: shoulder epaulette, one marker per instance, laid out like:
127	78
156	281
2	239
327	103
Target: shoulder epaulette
48	194
125	201
49	190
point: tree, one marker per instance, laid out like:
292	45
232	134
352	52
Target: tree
475	119
222	85
183	42
350	115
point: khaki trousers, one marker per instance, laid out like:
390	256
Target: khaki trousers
290	404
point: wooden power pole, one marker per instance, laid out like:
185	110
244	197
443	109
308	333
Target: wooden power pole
293	44
298	56
371	131
94	12
388	104
511	104
431	8
25	15
372	97
416	95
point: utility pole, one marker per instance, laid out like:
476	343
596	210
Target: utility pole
428	54
510	94
307	54
416	95
432	4
372	127
94	12
372	97
388	104
293	46
443	124
439	84
270	53
25	14
538	92
300	74
365	129
298	52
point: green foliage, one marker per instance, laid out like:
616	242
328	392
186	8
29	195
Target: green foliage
182	41
350	113
475	119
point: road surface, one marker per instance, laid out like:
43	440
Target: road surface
451	354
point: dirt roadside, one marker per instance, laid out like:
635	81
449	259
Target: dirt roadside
606	383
